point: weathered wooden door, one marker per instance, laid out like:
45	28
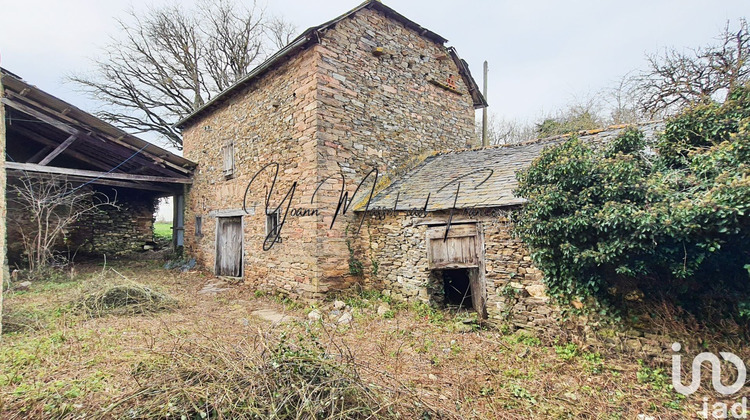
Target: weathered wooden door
458	250
463	248
229	246
478	292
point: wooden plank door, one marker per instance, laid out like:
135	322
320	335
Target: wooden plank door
458	250
477	278
462	249
229	247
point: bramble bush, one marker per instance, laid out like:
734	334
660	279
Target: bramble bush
669	218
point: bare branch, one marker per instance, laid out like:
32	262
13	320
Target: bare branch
280	32
676	79
48	208
168	61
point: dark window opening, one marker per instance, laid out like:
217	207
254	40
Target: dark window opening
457	287
272	225
198	226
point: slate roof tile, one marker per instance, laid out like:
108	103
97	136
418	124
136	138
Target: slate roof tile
487	176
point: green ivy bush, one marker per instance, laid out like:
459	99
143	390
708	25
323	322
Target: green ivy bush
670	218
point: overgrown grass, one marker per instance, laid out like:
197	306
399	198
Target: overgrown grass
210	357
272	378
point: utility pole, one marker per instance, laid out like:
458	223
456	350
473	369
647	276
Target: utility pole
485	140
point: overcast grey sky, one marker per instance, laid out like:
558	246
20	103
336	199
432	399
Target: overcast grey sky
543	54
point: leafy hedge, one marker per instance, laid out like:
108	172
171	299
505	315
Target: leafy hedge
669	218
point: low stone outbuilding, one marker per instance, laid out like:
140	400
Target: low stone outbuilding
479	264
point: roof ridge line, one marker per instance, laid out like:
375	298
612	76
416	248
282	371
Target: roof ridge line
552	138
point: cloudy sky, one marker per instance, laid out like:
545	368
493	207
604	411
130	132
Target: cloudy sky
543	54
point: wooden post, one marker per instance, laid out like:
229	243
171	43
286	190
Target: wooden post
485	140
178	221
3	220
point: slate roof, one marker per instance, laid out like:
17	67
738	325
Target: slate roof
487	176
312	36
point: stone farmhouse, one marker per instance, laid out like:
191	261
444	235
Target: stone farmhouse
368	90
350	156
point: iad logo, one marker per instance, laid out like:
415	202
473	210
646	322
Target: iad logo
720	410
695	382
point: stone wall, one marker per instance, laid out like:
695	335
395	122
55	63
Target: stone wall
516	295
113	231
380	112
273	120
515	292
333	109
123	230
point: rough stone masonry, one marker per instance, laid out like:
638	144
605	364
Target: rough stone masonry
363	95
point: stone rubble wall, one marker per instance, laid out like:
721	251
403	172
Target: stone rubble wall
379	112
122	231
106	231
274	120
515	292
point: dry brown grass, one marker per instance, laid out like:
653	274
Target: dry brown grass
124	298
270	378
211	355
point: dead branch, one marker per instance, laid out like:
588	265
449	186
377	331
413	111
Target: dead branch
676	79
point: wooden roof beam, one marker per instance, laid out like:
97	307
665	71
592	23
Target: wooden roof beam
65	128
44	151
59	149
72	153
32	167
112	183
69	129
139	159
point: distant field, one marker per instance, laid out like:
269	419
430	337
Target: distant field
163	230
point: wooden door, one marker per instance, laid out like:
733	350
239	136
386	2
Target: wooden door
458	250
462	248
229	246
478	292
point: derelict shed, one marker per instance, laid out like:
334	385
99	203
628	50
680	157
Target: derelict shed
442	232
47	137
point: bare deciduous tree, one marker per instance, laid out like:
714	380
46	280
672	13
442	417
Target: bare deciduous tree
672	81
582	114
46	210
504	131
622	103
676	78
280	31
169	61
